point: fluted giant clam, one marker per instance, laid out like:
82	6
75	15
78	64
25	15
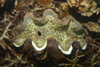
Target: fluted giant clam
65	31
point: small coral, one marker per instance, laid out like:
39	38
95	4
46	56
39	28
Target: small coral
64	6
85	7
91	26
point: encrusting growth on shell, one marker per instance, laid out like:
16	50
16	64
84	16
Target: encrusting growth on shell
65	31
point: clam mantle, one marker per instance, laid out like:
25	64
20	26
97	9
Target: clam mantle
65	31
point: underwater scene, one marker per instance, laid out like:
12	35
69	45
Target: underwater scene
49	33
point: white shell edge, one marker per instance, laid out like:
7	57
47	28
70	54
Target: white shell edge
39	49
66	52
16	45
84	47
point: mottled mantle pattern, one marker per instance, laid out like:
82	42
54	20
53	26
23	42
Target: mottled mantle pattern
65	31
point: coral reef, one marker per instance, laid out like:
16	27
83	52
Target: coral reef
53	33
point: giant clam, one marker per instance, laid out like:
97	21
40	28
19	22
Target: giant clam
65	31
